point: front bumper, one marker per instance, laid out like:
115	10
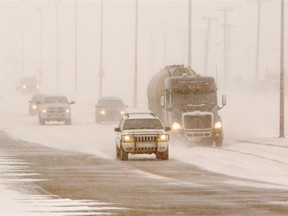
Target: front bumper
144	147
55	117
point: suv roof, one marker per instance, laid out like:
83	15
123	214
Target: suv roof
144	115
109	98
110	102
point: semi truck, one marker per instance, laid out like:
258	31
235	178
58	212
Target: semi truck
187	102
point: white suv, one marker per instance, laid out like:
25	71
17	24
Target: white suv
141	133
55	108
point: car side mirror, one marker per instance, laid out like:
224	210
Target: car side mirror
72	102
224	100
167	128
162	101
117	129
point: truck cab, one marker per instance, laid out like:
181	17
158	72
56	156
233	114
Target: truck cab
190	107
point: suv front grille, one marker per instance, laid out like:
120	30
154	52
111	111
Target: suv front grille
56	110
145	138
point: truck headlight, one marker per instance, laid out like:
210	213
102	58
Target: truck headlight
34	106
163	138
122	112
44	111
67	110
102	112
218	125
127	138
176	126
24	86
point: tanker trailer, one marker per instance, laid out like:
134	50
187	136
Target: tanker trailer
188	103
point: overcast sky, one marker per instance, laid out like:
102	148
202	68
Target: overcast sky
163	36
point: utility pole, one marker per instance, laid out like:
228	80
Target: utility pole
226	75
259	2
23	40
206	57
282	95
76	48
189	34
257	42
57	2
164	43
229	28
101	72
40	8
136	57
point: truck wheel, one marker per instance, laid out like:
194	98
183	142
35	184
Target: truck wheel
123	154
219	143
68	121
117	152
163	155
41	121
207	143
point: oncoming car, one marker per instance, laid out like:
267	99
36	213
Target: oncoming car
141	133
55	108
28	84
109	109
34	103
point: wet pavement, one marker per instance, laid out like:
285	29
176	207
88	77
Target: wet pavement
73	183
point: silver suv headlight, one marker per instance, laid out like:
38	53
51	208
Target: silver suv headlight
127	138
163	138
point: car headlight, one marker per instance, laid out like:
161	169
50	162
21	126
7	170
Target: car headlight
44	111
127	138
24	86
176	126
163	138
122	112
102	112
37	86
218	125
34	107
67	110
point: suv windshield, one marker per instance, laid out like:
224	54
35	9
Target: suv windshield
55	100
37	98
131	124
111	103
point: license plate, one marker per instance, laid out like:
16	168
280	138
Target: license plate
197	139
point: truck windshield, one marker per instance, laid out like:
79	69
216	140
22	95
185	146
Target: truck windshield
179	100
182	88
132	124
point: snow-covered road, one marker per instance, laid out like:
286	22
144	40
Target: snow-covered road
244	154
251	152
